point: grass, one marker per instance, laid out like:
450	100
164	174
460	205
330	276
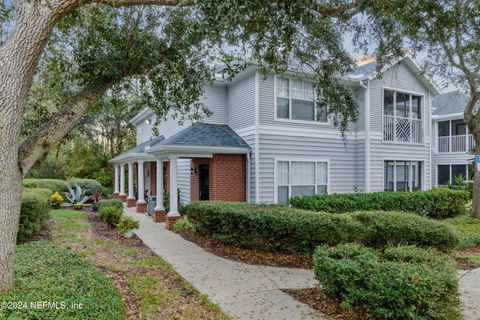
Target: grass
59	276
154	286
468	228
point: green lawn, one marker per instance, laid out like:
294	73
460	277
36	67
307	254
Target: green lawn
45	273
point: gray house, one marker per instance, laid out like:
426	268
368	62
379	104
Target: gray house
265	142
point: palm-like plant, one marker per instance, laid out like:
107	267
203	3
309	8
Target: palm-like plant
76	195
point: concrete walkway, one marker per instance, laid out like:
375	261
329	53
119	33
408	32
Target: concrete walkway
241	290
470	294
253	292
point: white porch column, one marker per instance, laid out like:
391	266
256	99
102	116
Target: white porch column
173	188
130	181
141	186
122	179
116	181
159	206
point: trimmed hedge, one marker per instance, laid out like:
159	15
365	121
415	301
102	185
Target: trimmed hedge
110	203
401	228
53	184
34	211
89	185
401	283
47	273
280	228
436	203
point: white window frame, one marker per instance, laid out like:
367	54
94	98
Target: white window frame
275	96
423	112
422	168
290	160
449	172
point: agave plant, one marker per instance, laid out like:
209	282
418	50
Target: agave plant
76	195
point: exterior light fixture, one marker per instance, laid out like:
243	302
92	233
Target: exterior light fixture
148	121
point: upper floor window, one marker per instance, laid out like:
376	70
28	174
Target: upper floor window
296	101
402	114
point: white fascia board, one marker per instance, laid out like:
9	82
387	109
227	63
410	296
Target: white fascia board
196	149
145	113
132	157
450	116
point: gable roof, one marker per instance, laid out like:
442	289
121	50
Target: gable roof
453	102
138	150
205	135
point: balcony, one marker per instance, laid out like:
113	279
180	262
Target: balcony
402	130
458	143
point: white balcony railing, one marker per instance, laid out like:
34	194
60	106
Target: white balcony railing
459	143
400	129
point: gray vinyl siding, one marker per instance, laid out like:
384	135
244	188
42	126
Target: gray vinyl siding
359	165
398	77
241	103
215	99
342	161
183	174
249	137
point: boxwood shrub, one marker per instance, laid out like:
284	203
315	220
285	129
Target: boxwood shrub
110	203
47	273
436	203
33	213
53	184
401	228
111	215
280	228
401	283
272	227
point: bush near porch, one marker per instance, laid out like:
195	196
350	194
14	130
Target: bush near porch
33	212
437	203
399	283
284	229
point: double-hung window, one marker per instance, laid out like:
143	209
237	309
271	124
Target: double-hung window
402	175
295	178
296	101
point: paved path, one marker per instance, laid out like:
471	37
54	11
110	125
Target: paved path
243	291
253	292
470	294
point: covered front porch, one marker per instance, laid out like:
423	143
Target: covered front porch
201	162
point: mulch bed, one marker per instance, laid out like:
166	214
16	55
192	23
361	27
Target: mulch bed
462	258
327	304
247	255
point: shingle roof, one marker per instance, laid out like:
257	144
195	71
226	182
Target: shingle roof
140	148
205	135
450	103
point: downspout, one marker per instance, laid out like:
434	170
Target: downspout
248	177
367	133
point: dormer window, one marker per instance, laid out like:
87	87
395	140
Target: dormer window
296	101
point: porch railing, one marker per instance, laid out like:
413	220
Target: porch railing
459	143
400	129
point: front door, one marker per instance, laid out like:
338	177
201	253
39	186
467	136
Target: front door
204	183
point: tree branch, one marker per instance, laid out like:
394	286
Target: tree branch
41	142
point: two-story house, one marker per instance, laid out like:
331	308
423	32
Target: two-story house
268	141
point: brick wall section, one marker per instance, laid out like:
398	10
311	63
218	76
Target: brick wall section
194	178
153	178
228	174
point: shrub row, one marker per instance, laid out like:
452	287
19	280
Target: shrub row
34	211
61	186
279	228
436	203
400	283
